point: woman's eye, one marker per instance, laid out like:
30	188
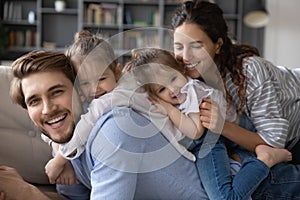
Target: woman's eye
196	46
178	47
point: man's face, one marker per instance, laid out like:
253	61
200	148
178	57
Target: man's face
48	96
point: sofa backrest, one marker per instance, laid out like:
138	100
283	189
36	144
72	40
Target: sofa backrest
21	146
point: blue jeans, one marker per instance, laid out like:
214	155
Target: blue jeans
283	180
214	169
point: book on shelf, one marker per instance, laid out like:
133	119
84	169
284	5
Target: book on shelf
109	13
156	18
12	11
139	39
128	17
94	13
104	13
22	38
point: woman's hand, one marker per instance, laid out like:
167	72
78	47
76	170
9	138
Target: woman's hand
210	116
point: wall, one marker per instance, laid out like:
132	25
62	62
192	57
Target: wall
282	34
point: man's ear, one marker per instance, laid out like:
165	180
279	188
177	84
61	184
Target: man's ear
219	45
118	71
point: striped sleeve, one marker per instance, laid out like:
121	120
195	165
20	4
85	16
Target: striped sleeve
262	104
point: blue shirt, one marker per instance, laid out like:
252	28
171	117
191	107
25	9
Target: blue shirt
126	157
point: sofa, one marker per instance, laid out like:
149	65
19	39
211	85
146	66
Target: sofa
21	145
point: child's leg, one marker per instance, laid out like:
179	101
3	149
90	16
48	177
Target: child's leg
268	155
214	171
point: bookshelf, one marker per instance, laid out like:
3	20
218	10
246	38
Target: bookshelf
19	27
35	24
128	23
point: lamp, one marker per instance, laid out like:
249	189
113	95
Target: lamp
257	18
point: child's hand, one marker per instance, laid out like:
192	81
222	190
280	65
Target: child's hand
67	176
53	169
161	106
210	116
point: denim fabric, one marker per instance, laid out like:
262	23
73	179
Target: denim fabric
283	181
214	170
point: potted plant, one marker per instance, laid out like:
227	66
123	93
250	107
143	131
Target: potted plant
60	5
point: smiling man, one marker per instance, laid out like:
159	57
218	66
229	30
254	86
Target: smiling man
126	156
45	89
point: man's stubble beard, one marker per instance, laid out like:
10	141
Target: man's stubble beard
62	140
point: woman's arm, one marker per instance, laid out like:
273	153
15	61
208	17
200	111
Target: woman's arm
211	119
247	139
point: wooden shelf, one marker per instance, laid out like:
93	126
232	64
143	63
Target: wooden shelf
59	27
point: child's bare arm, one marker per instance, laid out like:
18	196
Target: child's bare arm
67	176
55	166
189	125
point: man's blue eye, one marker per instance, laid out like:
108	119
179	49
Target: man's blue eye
56	92
33	102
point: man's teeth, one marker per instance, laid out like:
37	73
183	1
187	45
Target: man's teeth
56	119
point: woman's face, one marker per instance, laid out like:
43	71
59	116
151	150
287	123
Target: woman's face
195	48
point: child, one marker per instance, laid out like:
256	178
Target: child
98	73
162	77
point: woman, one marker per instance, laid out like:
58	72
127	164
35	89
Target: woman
268	95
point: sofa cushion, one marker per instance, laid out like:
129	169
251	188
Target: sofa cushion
21	146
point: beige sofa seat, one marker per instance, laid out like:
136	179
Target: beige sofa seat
21	146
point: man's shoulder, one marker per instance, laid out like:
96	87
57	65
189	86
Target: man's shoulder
122	113
120	120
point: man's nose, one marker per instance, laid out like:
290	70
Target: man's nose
48	106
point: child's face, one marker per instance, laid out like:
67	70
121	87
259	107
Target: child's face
169	87
94	86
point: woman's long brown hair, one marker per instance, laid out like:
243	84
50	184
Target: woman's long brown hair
209	18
